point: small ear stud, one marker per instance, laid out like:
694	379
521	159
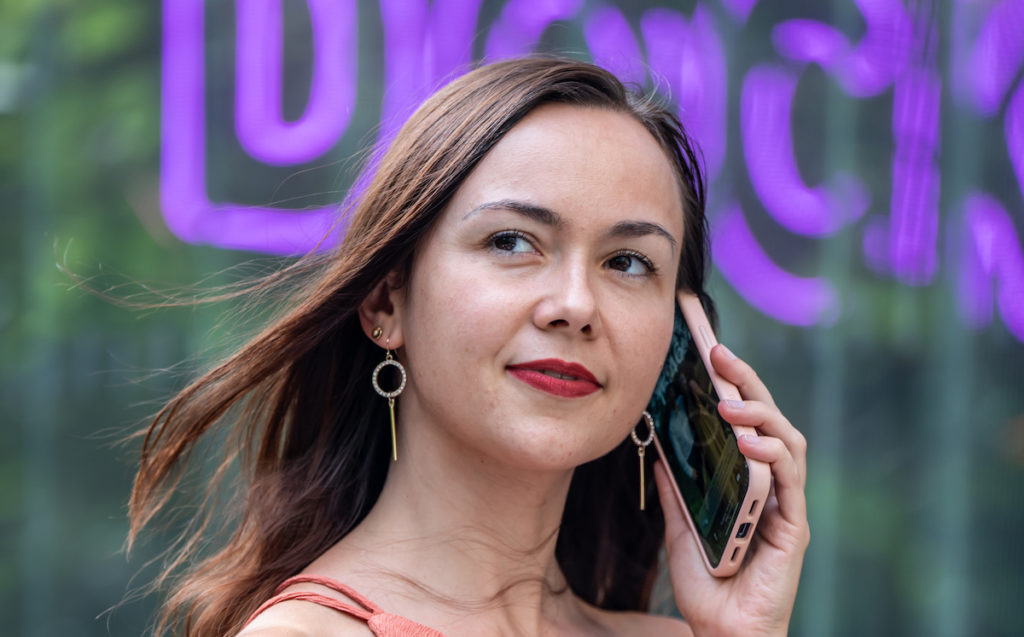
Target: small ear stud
377	332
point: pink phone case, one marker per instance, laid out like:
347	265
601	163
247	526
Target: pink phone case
760	473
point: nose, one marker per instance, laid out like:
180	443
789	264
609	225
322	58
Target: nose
569	301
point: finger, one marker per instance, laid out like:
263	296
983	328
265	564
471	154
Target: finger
738	373
680	542
778	532
786	476
768	421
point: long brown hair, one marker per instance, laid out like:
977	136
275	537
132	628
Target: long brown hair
303	450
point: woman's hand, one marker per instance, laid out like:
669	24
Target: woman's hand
758	600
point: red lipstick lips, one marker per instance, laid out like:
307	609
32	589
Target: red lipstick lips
554	376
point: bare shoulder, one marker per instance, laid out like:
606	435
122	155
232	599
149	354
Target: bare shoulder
303	619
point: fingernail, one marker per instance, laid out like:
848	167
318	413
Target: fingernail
728	352
750	440
735	404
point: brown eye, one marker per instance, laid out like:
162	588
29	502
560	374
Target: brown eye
511	241
630	263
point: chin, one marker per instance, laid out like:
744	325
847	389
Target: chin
551	446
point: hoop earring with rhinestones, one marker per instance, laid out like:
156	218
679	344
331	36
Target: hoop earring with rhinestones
641	447
390	395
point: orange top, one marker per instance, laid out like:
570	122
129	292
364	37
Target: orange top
380	623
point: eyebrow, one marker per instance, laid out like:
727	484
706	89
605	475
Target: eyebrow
641	229
551	218
540	214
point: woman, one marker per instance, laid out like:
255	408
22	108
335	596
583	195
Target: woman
517	251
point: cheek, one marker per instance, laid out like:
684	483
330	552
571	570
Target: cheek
643	349
459	311
639	350
458	322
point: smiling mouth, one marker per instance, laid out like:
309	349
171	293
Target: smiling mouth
557	377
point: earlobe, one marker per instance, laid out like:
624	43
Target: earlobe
382	309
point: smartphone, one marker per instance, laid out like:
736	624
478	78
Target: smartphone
720	491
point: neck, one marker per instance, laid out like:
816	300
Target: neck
468	526
473	532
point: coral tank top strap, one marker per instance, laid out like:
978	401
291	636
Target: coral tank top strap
380	623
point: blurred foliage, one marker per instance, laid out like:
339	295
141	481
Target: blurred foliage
893	500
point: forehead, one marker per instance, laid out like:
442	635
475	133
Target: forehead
580	160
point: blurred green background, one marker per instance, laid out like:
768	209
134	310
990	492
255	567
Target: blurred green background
915	422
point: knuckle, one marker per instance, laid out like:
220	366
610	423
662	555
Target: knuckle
781	448
749	373
800	443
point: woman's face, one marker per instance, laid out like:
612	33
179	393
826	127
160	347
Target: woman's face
540	306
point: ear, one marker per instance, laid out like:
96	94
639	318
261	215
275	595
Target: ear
383	308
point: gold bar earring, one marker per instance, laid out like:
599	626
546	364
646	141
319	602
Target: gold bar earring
390	395
641	449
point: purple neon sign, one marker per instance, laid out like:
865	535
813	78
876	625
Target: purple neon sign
187	208
992	275
863	69
906	247
768	148
260	125
427	43
994	58
686	61
789	298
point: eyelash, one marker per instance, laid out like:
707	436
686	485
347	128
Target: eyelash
508	234
651	268
518	234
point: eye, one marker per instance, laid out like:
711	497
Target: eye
631	263
510	241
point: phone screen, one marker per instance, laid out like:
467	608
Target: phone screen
700	447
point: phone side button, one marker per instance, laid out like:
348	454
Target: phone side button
710	342
744	529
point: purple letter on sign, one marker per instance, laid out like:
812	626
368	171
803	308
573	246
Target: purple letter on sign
262	130
187	209
996	56
687	56
739	9
422	47
521	24
613	45
992	258
690	57
914	222
779	294
1015	134
768	147
862	70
